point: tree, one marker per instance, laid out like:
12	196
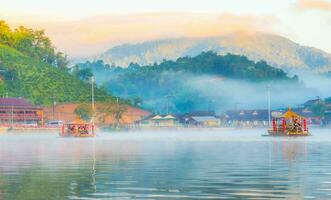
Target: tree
33	43
113	108
61	61
83	74
319	109
84	111
137	101
5	33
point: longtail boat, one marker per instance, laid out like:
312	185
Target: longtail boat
289	124
77	128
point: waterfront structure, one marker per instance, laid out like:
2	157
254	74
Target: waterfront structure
245	118
160	121
200	119
206	121
15	111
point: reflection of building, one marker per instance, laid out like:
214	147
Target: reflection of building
19	111
246	118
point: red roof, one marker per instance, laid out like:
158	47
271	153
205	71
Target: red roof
14	102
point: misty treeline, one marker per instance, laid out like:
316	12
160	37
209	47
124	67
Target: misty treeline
33	43
205	82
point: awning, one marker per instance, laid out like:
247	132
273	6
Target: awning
290	114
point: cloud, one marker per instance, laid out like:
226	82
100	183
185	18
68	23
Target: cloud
322	5
96	34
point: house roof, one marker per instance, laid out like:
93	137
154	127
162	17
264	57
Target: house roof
201	113
204	118
161	117
304	112
169	117
246	114
14	102
157	117
78	120
290	114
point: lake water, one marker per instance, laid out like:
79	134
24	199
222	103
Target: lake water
199	164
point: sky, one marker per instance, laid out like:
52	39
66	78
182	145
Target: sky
83	28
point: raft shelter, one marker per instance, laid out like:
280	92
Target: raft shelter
77	128
289	124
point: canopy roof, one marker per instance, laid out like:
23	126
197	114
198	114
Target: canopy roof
78	120
290	114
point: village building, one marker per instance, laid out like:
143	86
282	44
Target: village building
19	111
206	121
245	118
160	121
200	119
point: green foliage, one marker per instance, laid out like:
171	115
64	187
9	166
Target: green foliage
84	74
112	107
177	83
328	100
137	101
84	111
40	82
32	43
319	109
31	68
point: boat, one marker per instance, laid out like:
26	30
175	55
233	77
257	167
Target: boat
77	128
289	124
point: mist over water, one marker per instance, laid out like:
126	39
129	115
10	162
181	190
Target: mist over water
200	164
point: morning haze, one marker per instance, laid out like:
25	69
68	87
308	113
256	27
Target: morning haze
165	99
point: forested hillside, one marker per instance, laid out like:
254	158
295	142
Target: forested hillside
30	67
207	81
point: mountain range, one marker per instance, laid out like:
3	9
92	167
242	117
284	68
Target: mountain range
278	51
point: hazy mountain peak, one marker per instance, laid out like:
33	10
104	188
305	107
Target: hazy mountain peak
276	50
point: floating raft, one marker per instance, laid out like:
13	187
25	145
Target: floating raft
77	128
289	124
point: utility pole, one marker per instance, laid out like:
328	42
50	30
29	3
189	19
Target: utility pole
53	108
117	113
12	115
93	107
269	106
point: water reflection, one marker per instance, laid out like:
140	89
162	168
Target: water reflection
144	166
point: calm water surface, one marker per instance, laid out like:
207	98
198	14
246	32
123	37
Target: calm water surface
166	165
